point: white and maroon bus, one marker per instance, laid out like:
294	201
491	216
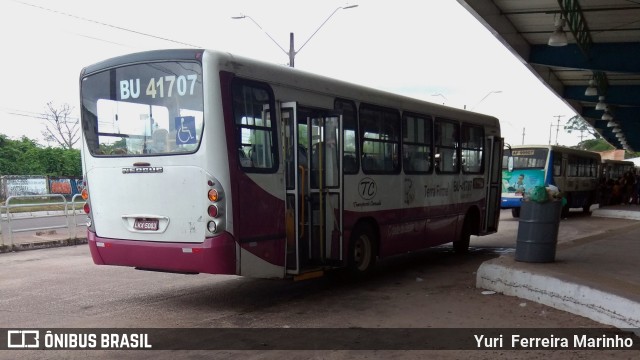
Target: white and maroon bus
198	161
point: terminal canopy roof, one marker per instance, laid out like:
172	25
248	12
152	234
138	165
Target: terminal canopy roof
603	50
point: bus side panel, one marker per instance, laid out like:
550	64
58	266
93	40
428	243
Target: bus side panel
414	232
258	215
260	227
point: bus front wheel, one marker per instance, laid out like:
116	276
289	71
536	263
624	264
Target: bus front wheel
362	254
515	212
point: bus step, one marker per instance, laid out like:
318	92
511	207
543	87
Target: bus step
309	275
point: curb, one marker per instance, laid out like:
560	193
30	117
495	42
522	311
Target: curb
579	299
617	214
41	245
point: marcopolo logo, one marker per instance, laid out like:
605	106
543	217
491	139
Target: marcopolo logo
142	170
23	339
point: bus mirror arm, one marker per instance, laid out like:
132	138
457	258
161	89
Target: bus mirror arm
509	158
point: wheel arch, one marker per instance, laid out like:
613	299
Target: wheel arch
373	225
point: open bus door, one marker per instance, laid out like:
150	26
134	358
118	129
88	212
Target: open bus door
494	190
313	143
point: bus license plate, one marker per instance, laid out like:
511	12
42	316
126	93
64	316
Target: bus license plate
146	224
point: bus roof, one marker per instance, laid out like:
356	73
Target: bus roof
279	75
621	162
287	76
564	149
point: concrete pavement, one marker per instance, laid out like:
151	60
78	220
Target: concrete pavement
597	277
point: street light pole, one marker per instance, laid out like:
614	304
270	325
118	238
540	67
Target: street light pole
486	96
442	96
292	51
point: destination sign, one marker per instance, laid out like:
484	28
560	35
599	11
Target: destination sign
528	152
160	87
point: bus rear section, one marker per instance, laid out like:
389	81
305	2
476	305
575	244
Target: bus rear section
522	170
574	172
152	201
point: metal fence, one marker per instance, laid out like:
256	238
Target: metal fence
57	206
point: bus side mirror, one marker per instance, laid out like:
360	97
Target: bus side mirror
510	163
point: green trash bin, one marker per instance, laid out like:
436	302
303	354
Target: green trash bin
538	231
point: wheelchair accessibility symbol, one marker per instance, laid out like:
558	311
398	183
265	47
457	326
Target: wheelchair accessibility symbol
185	130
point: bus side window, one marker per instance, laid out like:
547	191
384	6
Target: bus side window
557	164
472	149
420	163
447	140
244	159
369	163
349	123
350	165
255	132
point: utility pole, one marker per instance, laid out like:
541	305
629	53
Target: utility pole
557	128
523	136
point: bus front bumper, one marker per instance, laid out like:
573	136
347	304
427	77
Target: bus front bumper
510	202
215	255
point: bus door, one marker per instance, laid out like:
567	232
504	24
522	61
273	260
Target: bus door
494	190
313	156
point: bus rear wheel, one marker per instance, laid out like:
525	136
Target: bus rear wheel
362	254
515	212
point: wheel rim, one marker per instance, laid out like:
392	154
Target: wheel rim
362	252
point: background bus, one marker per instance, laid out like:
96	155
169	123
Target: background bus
574	172
200	161
614	169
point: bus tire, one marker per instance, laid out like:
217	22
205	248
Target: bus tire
461	246
362	251
515	212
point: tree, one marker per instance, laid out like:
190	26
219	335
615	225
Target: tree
597	145
578	123
26	157
61	128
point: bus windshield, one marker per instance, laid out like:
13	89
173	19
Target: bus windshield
143	109
527	158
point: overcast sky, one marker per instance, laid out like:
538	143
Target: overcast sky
414	48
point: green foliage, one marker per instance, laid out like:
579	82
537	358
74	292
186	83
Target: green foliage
595	145
27	157
599	145
577	123
631	155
